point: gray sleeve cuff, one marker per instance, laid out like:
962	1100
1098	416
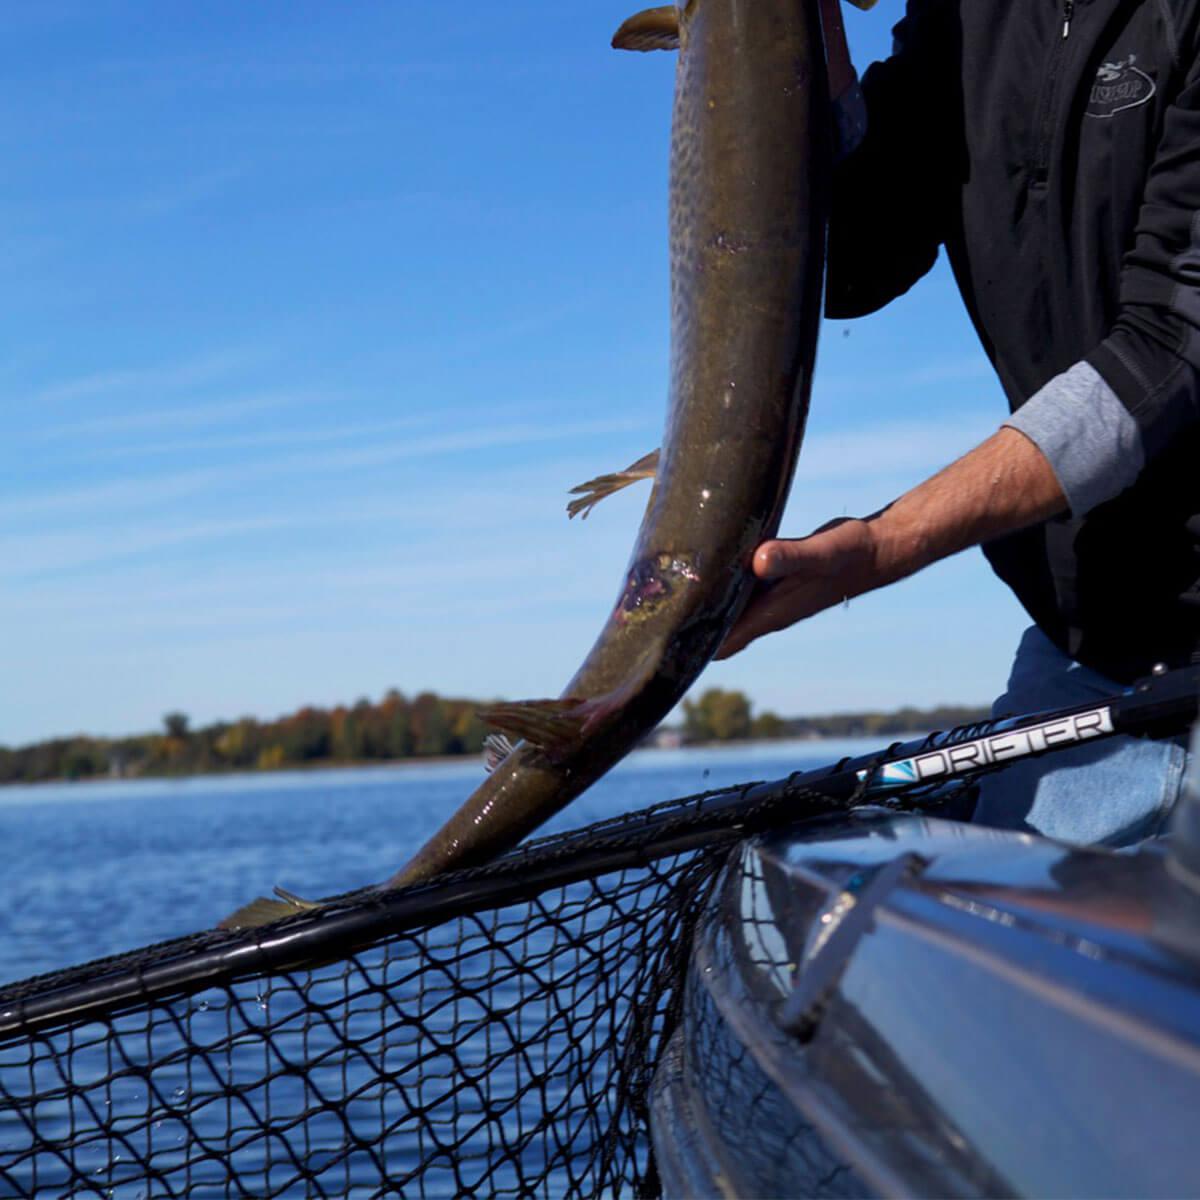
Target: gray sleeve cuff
1092	443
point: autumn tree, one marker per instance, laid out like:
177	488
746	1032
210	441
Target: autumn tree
768	725
396	725
469	731
718	715
176	725
431	729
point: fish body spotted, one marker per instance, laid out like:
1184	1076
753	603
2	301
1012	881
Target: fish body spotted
750	159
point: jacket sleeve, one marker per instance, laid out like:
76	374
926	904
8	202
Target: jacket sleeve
1151	357
887	211
1102	420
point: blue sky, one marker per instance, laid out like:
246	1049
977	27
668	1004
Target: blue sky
314	312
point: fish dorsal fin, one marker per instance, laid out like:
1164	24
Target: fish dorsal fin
653	29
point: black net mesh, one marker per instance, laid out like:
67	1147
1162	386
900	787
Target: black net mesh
493	1033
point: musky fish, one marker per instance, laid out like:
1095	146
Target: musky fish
750	163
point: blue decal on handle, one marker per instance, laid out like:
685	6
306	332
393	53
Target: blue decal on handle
993	750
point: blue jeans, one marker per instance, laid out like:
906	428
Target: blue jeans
1114	792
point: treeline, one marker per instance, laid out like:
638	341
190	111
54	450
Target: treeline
882	724
426	726
396	728
719	716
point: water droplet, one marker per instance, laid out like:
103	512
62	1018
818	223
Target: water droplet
179	1093
202	1006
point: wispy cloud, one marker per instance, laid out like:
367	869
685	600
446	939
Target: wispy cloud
20	251
419	515
975	366
117	493
391	589
22	555
469	512
169	377
224	71
292	540
190	416
140	492
886	452
474	439
174	194
892	449
273	437
961	368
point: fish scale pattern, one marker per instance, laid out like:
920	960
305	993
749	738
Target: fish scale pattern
505	1048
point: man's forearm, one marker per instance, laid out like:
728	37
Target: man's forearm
1003	485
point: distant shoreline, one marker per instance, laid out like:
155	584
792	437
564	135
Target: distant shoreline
413	762
397	729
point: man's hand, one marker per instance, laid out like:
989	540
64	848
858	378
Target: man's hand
802	576
1001	486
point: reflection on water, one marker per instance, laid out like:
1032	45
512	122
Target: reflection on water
96	868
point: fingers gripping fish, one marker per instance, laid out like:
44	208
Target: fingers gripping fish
750	161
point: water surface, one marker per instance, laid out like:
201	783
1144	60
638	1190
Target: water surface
97	868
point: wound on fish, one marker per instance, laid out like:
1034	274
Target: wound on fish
653	580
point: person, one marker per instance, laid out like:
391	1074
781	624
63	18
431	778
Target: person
1053	150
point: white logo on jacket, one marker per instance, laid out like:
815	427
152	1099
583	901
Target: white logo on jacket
1118	86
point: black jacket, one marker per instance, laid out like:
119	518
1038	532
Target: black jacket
1063	177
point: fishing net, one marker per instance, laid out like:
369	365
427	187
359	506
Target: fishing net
492	1033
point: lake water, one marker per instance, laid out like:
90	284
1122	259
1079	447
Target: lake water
385	1047
96	868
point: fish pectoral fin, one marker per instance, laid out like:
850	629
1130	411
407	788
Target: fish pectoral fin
263	911
588	495
496	748
653	29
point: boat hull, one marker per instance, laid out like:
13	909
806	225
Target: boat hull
883	1004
